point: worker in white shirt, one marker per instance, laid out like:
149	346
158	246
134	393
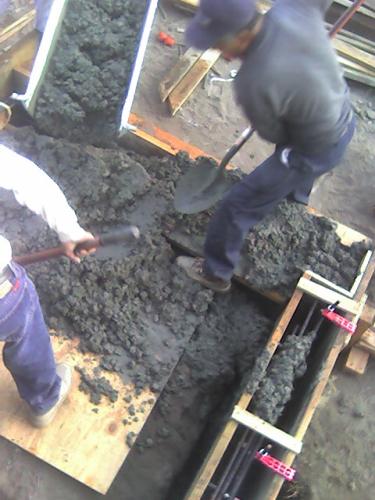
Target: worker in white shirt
28	352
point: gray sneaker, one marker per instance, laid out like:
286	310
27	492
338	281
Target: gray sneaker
65	372
194	269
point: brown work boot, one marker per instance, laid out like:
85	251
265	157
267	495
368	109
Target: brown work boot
194	269
64	371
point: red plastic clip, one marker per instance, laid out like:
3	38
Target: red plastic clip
330	314
288	473
166	39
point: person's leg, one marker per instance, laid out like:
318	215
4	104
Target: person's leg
28	352
245	205
43	8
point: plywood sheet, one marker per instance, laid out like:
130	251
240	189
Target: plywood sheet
85	441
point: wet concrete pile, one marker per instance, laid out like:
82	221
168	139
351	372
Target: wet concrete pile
84	89
139	311
286	243
136	309
287	366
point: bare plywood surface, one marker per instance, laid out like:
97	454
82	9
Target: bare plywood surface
357	361
87	442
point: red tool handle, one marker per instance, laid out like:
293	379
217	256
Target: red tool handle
346	17
339	320
288	473
114	238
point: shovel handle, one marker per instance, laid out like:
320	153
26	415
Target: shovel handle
114	238
243	138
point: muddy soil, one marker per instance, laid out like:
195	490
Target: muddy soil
84	90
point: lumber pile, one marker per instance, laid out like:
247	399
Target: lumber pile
356	53
362	348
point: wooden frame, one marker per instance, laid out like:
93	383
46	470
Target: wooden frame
213	459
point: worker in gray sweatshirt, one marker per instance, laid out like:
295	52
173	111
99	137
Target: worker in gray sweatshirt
291	88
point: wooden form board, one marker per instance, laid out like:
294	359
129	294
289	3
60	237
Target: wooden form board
88	446
221	443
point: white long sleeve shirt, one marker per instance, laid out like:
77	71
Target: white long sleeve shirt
34	189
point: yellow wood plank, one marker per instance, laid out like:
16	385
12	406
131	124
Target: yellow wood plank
17	26
267	430
192	79
367	341
88	446
357	361
357	55
178	72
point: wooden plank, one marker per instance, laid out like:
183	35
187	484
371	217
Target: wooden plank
267	430
359	77
357	361
357	55
178	72
221	443
12	29
192	79
23	52
367	341
85	441
351	65
329	296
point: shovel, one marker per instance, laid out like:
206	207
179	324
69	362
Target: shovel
204	185
127	233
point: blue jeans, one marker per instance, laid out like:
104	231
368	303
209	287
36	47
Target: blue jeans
287	173
28	352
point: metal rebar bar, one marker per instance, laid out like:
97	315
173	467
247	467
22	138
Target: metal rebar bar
230	465
308	318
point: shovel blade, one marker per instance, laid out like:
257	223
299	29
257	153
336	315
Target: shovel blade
200	188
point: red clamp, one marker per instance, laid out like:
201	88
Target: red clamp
330	314
288	473
166	39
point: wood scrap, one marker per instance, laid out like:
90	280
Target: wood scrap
357	361
191	80
354	54
367	341
177	73
10	31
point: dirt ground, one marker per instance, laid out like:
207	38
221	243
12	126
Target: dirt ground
339	448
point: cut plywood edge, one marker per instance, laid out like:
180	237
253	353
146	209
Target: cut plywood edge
85	441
